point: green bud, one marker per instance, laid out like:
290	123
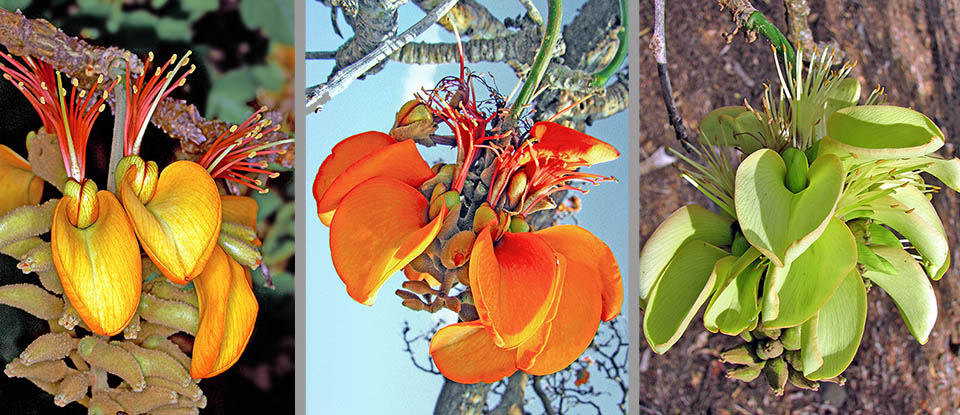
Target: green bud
790	338
243	252
152	397
26	222
776	374
767	332
798	380
71	389
794	358
770	349
518	225
158	364
740	355
50	346
113	359
32	299
797	167
174	314
746	373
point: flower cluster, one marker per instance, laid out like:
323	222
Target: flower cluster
826	200
528	300
187	229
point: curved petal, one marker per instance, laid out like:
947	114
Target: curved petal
381	228
464	353
18	185
99	266
345	153
514	285
571	145
228	312
240	209
587	253
577	320
180	225
400	161
880	132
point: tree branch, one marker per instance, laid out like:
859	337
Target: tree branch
320	94
659	46
512	401
85	62
473	20
544	399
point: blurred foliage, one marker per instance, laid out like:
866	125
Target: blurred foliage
276	216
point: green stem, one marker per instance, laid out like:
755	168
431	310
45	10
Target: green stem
555	13
760	24
600	78
116	146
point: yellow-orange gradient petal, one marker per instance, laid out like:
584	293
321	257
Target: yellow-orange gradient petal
99	266
240	209
179	227
18	185
514	285
380	227
464	353
585	251
578	317
529	350
399	161
344	154
228	312
571	145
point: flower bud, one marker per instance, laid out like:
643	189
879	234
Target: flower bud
484	216
745	373
797	166
740	355
456	251
769	349
71	389
113	359
518	225
776	373
790	338
518	186
49	371
32	299
50	346
798	380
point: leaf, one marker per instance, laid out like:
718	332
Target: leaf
874	262
794	293
174	30
691	222
197	8
776	221
910	290
231	91
833	337
15	5
947	170
880	132
684	287
926	238
734	306
273	16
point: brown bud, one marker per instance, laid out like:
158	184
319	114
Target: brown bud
51	281
414	304
50	346
518	186
71	389
456	251
419	287
468	312
113	359
776	373
191	391
32	299
173	314
150	398
452	303
103	404
449	226
133	328
413	121
50	371
163	344
155	363
800	381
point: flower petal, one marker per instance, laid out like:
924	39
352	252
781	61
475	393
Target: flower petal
180	225
514	285
19	185
464	353
344	154
381	227
99	266
588	252
240	209
576	323
400	161
571	145
228	312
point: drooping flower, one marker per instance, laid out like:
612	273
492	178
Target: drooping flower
94	250
175	213
366	191
18	185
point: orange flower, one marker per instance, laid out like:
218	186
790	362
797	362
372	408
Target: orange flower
540	296
94	250
366	191
228	311
18	185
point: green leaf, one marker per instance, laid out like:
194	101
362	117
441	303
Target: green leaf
776	221
715	132
15	4
928	240
873	262
910	290
197	8
794	293
231	91
881	236
880	132
734	304
691	222
684	287
749	130
833	336
275	17
174	29
947	170
843	95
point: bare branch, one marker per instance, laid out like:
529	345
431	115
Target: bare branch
319	55
544	399
473	20
319	94
659	46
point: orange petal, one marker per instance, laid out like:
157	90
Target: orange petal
18	185
414	275
571	145
514	285
578	317
399	161
179	227
580	246
464	353
345	153
529	350
99	266
380	227
240	209
228	312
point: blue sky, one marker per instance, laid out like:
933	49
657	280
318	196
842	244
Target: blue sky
355	358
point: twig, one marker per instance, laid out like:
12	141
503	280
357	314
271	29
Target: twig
532	12
320	55
604	75
749	18
318	95
797	13
659	46
544	399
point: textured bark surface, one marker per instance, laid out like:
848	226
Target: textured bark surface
909	47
